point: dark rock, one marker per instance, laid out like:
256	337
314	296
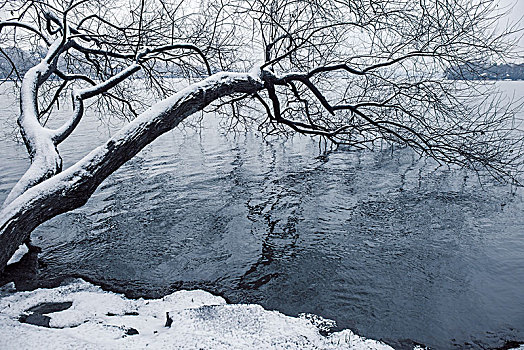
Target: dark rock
510	344
169	320
36	313
36	319
50	307
131	331
32	248
8	288
130	313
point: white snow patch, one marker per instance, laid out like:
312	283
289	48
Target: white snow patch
100	320
256	71
19	254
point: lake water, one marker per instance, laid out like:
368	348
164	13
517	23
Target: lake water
384	243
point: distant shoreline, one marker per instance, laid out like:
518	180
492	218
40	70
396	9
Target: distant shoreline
482	71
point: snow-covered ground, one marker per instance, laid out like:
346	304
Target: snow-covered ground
104	320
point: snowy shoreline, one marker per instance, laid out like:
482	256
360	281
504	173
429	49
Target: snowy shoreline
97	319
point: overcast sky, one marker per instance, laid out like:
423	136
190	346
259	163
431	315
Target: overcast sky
518	10
515	14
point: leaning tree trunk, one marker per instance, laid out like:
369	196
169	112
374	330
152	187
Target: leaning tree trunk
72	188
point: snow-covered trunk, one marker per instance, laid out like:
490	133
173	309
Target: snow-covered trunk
45	163
45	160
73	187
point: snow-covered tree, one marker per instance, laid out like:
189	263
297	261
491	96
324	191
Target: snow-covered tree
353	72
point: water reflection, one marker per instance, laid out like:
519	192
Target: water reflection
387	244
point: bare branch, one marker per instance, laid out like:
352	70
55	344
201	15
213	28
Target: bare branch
25	26
78	96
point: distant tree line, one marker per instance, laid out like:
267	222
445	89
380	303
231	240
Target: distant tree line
482	71
15	62
23	60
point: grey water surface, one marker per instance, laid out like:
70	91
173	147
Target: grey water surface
387	244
